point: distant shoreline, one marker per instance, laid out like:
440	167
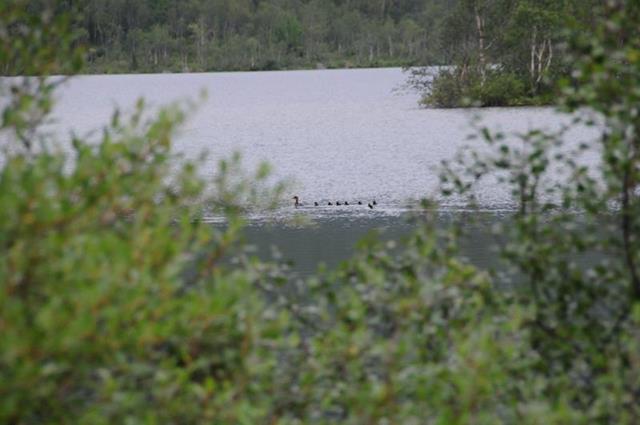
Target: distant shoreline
93	70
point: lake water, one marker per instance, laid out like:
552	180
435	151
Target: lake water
335	135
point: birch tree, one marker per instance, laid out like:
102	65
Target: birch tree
533	33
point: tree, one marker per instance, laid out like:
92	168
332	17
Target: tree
532	36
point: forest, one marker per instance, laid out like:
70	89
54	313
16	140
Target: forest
222	35
214	35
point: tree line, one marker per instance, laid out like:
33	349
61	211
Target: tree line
213	35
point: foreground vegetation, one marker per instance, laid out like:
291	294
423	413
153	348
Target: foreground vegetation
118	305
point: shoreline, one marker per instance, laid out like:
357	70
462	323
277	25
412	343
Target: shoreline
93	70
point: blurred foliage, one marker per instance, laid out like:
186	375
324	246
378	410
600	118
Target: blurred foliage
118	304
36	45
572	251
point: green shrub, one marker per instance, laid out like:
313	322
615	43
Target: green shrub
445	91
499	89
101	319
115	302
452	89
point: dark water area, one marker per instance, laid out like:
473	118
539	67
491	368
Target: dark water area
330	241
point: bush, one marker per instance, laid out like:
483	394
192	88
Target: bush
499	89
445	91
452	89
102	318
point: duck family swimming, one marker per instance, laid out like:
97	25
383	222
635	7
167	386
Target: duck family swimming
297	203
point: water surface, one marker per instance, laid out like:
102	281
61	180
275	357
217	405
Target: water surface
335	135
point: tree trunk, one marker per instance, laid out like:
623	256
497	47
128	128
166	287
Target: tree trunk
541	57
532	65
481	46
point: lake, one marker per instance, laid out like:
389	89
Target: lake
334	135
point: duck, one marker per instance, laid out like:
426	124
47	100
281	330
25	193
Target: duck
315	204
330	204
359	202
338	203
374	202
370	206
346	203
297	201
